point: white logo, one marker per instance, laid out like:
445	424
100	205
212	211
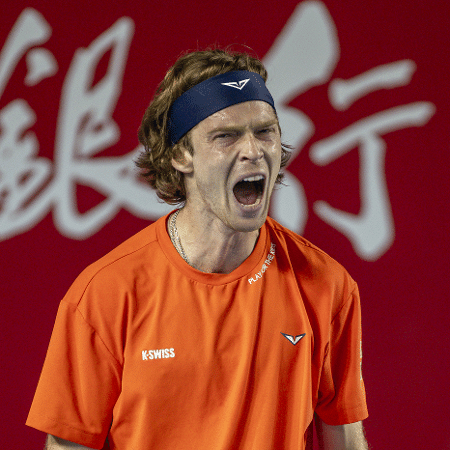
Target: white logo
158	354
292	339
237	84
266	264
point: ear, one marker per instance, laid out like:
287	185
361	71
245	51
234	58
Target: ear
183	161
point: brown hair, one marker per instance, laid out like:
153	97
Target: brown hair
188	70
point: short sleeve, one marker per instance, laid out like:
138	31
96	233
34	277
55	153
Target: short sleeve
342	398
79	383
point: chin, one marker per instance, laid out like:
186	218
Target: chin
250	224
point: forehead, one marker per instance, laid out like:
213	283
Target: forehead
252	113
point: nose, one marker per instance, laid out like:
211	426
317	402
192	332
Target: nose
250	148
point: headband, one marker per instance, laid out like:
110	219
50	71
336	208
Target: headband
212	95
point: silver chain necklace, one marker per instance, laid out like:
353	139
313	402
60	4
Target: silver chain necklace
174	236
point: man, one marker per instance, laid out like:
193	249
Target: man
215	327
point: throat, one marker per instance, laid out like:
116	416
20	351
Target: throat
224	257
207	248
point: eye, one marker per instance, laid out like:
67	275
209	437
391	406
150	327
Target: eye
225	137
265	131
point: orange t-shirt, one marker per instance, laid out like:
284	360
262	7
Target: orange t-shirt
155	354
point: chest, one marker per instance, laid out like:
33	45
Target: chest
183	329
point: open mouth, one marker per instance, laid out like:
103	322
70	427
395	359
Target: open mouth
250	190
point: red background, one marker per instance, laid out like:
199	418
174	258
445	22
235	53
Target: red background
404	292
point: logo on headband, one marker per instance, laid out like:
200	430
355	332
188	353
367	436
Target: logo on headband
237	84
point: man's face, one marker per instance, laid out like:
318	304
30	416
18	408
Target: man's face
236	159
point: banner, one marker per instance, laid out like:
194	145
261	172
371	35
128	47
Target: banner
362	96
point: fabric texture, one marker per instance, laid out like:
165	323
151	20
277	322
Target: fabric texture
154	354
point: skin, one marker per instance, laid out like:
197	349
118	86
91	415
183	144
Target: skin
341	437
55	443
217	233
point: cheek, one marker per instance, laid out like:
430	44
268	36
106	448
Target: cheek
209	180
213	167
276	156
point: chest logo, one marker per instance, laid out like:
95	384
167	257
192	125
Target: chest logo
294	340
158	354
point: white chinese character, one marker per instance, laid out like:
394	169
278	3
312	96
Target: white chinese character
305	55
22	173
85	128
372	231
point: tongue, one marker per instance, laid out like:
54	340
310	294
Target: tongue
245	193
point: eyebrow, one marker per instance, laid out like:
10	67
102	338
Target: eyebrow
221	128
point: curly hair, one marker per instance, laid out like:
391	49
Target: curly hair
156	158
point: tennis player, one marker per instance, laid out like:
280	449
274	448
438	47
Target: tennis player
215	327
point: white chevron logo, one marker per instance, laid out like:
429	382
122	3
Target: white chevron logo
292	339
237	84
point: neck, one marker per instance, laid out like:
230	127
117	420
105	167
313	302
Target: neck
210	246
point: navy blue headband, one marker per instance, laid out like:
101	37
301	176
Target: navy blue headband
212	95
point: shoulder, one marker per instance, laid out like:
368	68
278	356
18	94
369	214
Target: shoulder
301	251
318	274
118	267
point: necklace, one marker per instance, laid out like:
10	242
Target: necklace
175	237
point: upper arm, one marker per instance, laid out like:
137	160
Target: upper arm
55	443
341	437
341	396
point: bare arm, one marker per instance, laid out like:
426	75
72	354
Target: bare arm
55	443
341	437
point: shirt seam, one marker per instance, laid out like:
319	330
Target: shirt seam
77	310
192	279
350	296
300	240
59	422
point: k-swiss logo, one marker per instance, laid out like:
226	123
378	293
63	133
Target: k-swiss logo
158	354
292	339
237	84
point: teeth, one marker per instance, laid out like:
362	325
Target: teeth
255	178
